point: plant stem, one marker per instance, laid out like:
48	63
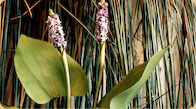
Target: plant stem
67	80
101	65
51	13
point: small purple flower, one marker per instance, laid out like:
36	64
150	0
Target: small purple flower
101	22
56	31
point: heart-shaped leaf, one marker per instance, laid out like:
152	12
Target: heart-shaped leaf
122	94
40	69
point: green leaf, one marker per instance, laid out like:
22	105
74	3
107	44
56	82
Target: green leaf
39	67
122	94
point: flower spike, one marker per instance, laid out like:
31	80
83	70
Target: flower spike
56	31
102	22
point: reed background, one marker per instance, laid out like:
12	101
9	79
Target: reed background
138	29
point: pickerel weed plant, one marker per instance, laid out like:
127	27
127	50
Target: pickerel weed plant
58	40
102	36
47	72
121	94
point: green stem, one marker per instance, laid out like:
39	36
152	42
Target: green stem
51	13
101	65
67	79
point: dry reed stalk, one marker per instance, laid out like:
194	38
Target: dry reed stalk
26	11
2	27
29	9
0	15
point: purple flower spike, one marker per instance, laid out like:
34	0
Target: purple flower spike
102	21
56	31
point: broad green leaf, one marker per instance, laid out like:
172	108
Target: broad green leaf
122	94
2	106
39	67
